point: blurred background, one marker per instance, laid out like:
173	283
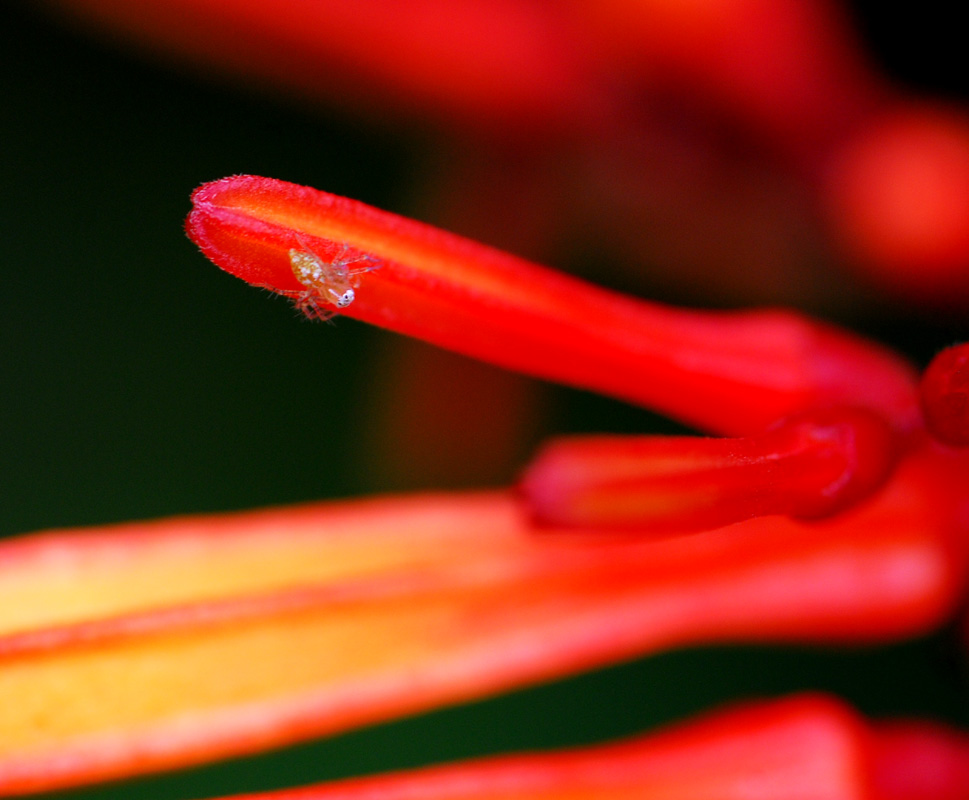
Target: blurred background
139	381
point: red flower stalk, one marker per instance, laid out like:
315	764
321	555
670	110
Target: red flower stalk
760	366
361	612
812	466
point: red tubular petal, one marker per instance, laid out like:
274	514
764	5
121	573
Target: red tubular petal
800	748
945	396
728	372
812	466
503	64
920	761
294	623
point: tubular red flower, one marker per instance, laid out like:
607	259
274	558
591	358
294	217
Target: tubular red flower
799	748
736	373
814	465
289	624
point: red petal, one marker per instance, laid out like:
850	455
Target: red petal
504	64
168	643
945	396
812	466
918	760
729	372
802	748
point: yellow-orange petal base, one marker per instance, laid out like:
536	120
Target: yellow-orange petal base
160	644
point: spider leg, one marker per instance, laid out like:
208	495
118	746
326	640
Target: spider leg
372	263
308	305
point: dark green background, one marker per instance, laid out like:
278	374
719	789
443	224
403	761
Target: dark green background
138	380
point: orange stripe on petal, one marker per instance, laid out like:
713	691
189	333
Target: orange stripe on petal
169	643
729	372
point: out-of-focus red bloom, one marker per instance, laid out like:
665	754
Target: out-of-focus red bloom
889	176
416	435
789	72
898	196
499	64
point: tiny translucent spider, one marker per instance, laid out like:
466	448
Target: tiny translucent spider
327	283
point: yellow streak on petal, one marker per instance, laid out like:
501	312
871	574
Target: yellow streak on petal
136	681
384	607
426	250
60	578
